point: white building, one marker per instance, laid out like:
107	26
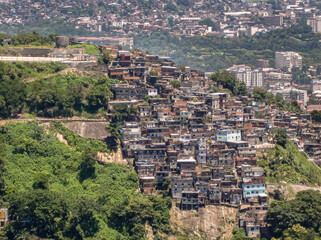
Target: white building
315	23
291	93
288	60
251	78
201	152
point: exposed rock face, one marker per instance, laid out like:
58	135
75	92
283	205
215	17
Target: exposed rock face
113	157
210	222
92	130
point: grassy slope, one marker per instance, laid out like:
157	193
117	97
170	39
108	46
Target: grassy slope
289	165
90	49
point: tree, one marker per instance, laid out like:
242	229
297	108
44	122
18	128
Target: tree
113	129
87	165
175	83
305	210
41	181
2	152
37	212
195	99
208	22
259	94
297	232
229	81
170	7
279	136
316	115
3	108
106	57
153	73
121	112
239	234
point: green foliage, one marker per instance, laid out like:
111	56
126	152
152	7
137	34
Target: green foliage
300	77
208	53
290	165
262	95
68	95
229	81
22	70
57	192
41	181
12	90
153	73
121	112
87	165
33	39
113	129
239	234
2	150
90	49
175	83
46	27
297	232
305	210
279	136
315	115
76	142
209	23
57	95
106	57
170	7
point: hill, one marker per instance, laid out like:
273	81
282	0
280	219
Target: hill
287	164
209	53
56	192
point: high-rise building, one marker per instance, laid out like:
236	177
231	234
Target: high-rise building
274	20
288	60
251	78
315	24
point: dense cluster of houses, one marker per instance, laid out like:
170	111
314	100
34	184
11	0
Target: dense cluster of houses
201	144
229	19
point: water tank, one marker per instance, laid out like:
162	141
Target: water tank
62	41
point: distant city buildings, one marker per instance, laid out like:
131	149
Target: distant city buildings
288	60
251	78
274	20
315	24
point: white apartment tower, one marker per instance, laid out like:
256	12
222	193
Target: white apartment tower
288	60
315	24
251	78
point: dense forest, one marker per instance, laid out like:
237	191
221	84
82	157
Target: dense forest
209	53
57	192
57	95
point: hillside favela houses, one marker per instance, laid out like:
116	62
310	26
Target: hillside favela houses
196	138
200	143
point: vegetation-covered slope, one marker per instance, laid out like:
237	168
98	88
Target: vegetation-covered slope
58	95
209	53
286	163
56	192
90	49
296	219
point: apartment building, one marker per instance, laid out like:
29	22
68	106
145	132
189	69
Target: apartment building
288	60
